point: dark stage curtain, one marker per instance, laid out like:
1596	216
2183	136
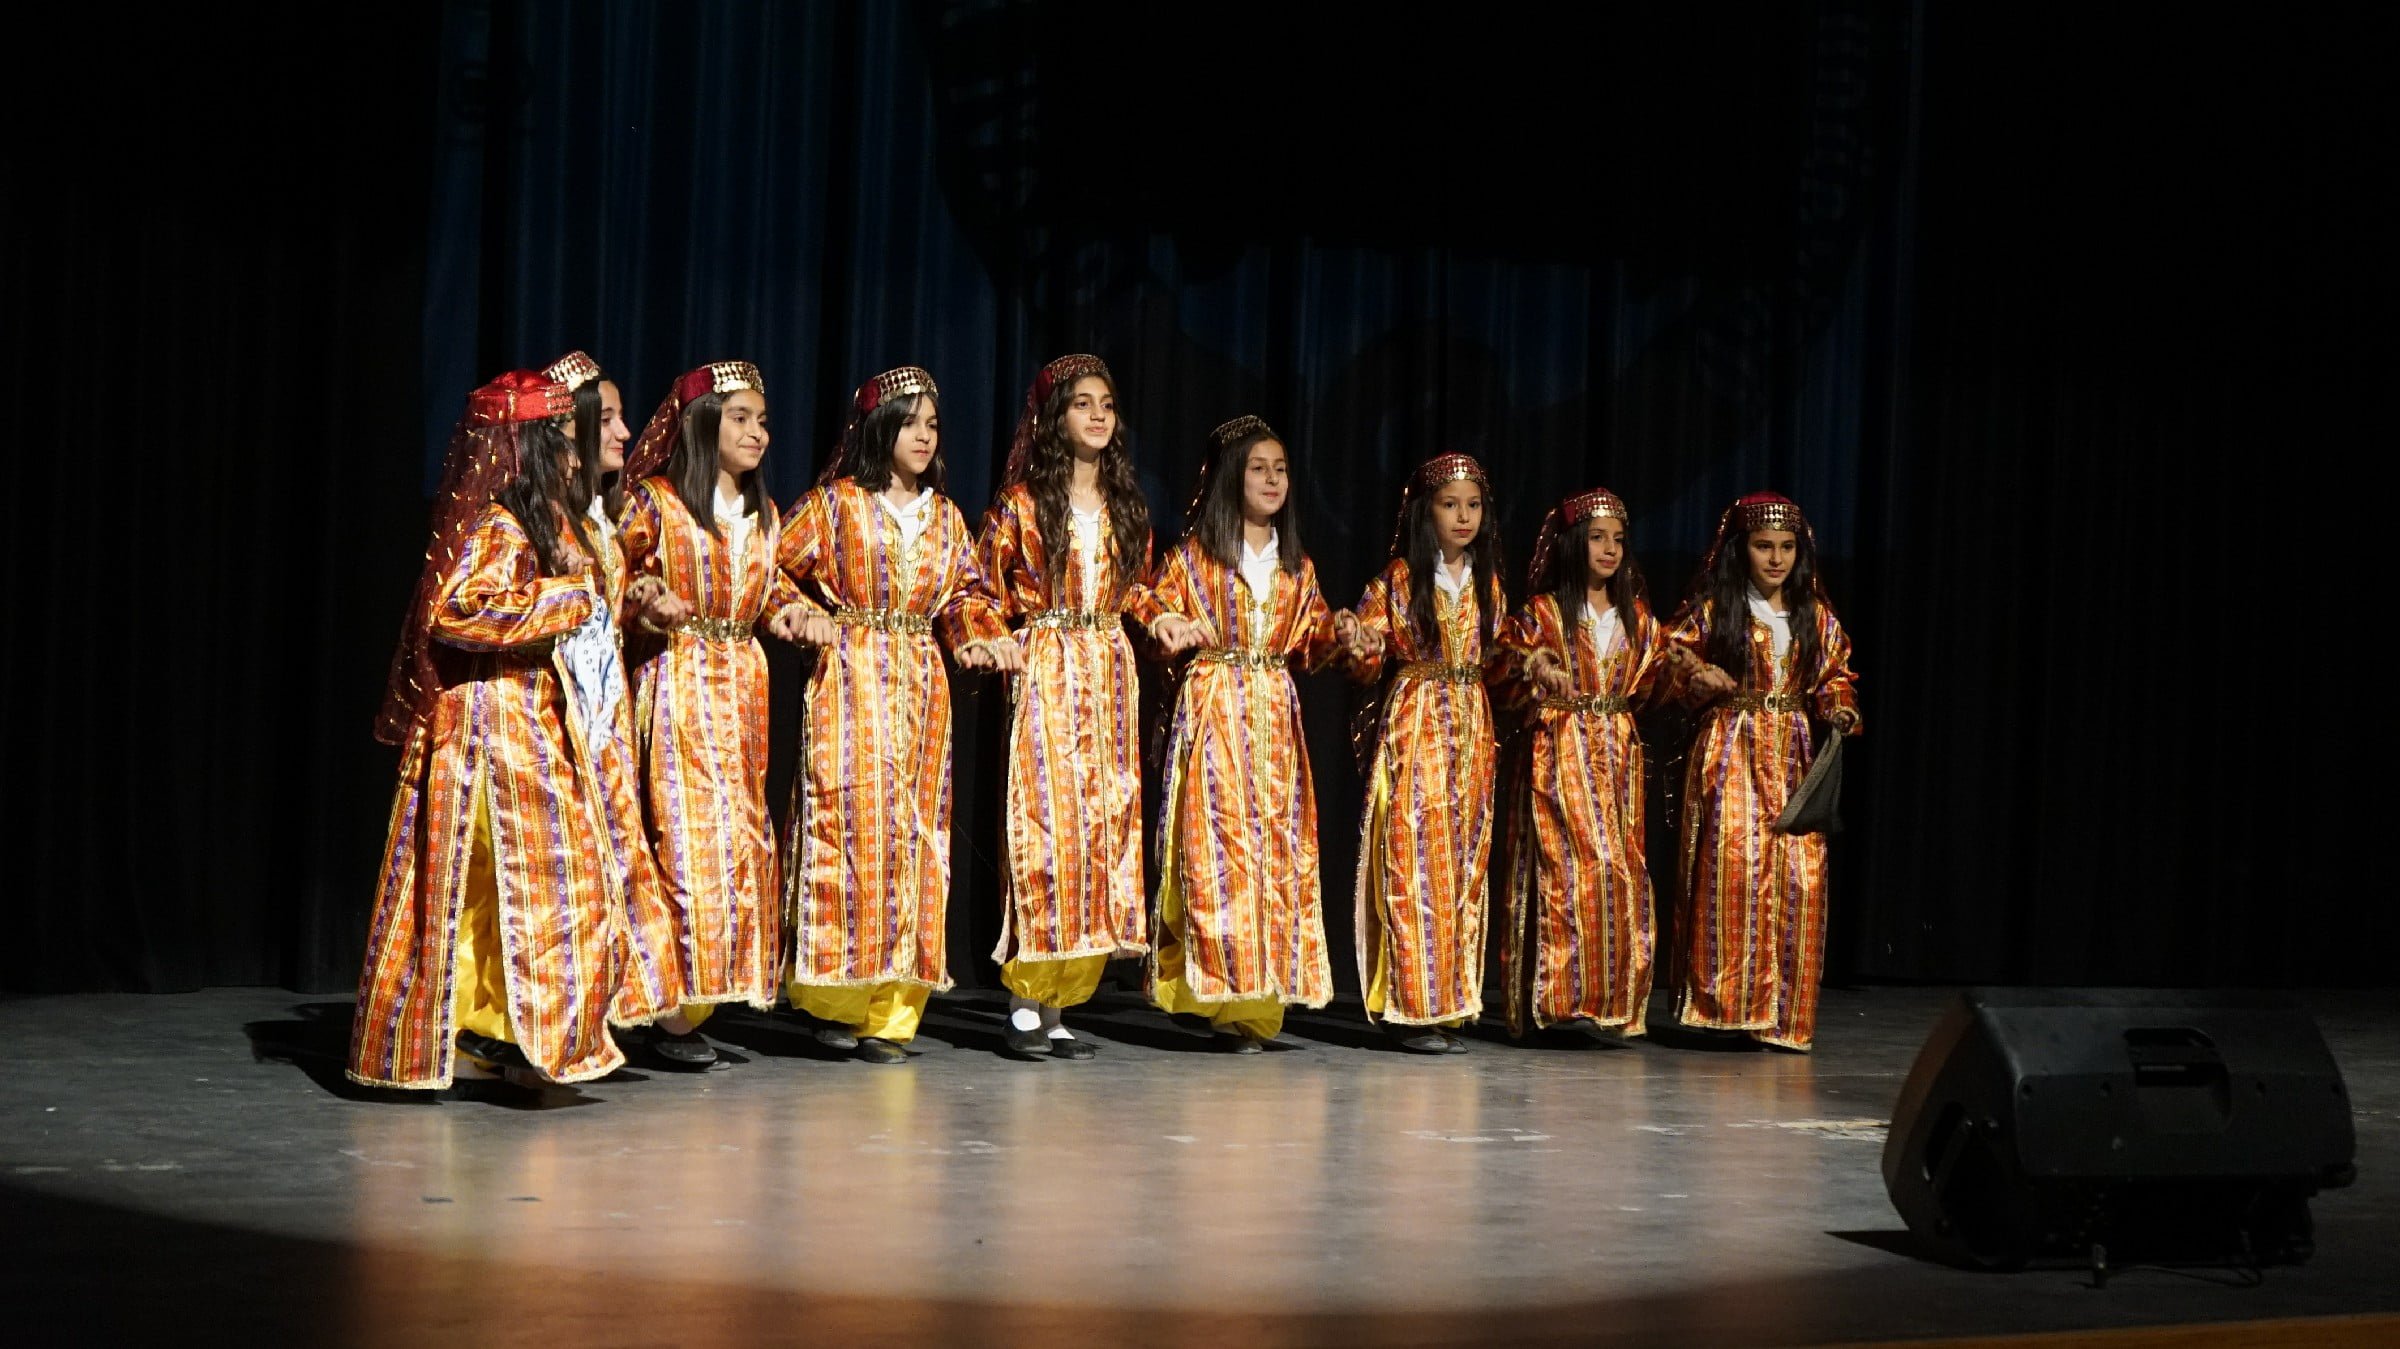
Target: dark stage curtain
2033	312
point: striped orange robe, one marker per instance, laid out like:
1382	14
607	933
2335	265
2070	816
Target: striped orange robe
499	750
1580	928
1751	918
1240	896
1425	835
653	974
1074	807
868	874
700	719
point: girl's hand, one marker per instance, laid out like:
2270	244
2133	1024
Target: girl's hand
819	629
1006	656
973	656
1712	682
1176	633
1549	674
644	590
666	611
1845	720
784	623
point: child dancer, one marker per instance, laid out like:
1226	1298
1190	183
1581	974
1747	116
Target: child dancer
497	930
1426	834
891	562
1761	650
1066	548
697	519
652	990
1580	927
1241	919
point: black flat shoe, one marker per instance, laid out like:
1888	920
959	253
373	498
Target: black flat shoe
1419	1039
680	1052
1237	1042
498	1052
1453	1043
835	1037
1071	1049
874	1050
1026	1044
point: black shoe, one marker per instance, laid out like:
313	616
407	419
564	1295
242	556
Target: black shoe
872	1049
1453	1042
1063	1048
1026	1044
1236	1042
837	1037
1419	1039
497	1052
688	1052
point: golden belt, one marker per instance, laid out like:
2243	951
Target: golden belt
1591	702
1437	670
1765	702
716	629
1249	657
1074	618
883	620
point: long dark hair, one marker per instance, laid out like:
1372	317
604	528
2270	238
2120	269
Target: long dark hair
1218	521
597	482
1729	598
1050	470
693	465
542	488
1424	544
1570	579
871	459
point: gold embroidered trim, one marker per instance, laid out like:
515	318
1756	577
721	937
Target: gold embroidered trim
1591	702
716	629
1251	657
1445	673
1074	618
1765	702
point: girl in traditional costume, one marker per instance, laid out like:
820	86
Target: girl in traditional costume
1580	927
1065	547
888	562
1425	835
1762	652
653	989
1241	923
498	935
697	519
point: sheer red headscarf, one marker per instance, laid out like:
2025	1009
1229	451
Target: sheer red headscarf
482	459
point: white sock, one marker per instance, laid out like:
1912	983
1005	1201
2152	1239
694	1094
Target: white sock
1024	1014
1050	1026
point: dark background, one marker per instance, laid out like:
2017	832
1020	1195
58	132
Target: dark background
2065	325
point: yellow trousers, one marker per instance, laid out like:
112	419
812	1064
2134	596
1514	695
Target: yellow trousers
1382	978
1261	1016
878	1011
1055	983
479	1000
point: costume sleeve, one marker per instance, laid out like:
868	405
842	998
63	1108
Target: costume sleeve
1689	631
1315	644
999	554
496	598
1650	653
1537	628
1139	604
1377	615
969	615
803	547
1837	687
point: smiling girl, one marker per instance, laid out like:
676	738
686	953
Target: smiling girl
1426	836
697	519
1066	550
1580	924
1241	914
891	563
1761	650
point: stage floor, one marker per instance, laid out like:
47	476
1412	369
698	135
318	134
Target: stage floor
189	1166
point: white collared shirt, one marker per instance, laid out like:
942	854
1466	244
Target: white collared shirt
911	518
1610	632
1779	626
739	521
1087	538
1452	583
1259	566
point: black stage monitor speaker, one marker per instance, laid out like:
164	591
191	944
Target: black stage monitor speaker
2103	1125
